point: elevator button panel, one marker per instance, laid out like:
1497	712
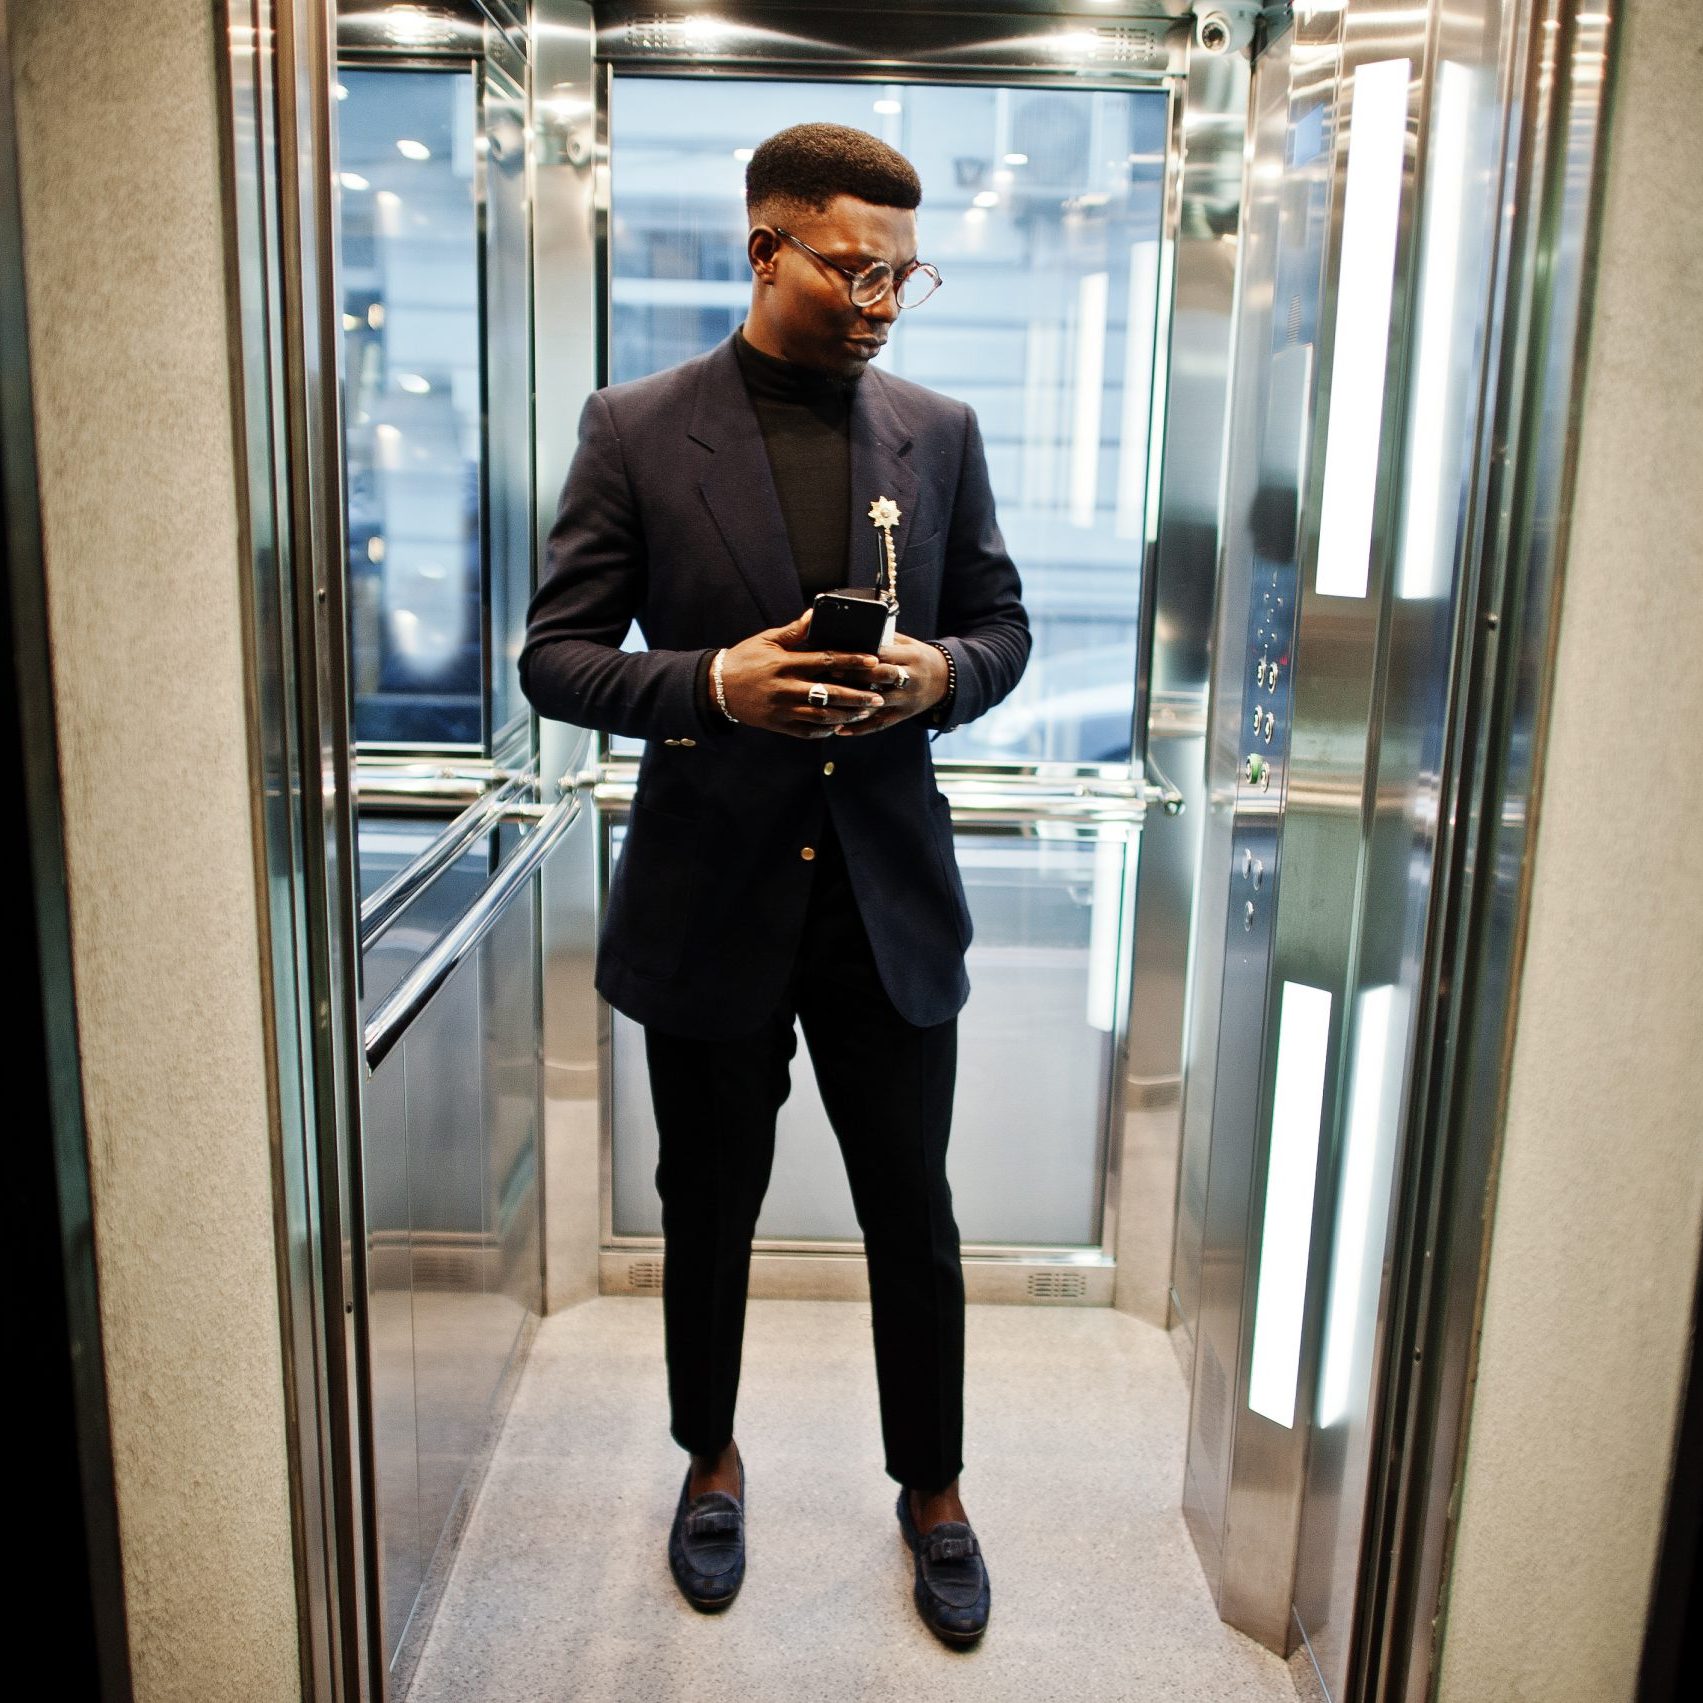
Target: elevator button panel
1266	716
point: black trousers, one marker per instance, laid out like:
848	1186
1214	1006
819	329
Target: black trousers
887	1088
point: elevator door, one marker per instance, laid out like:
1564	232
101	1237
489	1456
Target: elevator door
1043	209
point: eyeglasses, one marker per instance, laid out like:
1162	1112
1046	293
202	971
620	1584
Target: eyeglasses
918	282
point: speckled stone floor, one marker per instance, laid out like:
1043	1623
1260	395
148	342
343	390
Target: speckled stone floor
1074	1438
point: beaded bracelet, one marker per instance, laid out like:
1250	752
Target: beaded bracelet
720	689
945	704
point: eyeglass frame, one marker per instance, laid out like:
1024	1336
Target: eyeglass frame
894	279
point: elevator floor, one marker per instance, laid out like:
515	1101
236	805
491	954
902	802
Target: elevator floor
1074	1458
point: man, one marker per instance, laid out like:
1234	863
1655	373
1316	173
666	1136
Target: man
788	854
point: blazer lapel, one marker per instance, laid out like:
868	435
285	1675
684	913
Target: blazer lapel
739	488
880	467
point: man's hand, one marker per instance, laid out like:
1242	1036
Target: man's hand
910	673
768	677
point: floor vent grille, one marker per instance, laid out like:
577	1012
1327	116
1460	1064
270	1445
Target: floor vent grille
1211	1401
645	1275
1057	1285
451	1268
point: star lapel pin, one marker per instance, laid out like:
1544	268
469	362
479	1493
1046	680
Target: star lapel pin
884	512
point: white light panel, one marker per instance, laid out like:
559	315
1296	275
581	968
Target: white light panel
1362	1202
1135	434
1090	377
1303	1043
1433	439
1377	138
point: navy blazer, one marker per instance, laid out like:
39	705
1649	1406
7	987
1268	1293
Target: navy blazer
670	517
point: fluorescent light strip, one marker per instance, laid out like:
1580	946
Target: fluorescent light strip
1362	1205
1105	928
1303	1042
1433	440
1360	341
1134	435
1091	291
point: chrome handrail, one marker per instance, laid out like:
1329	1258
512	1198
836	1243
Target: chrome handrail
1161	790
410	995
382	907
1097	802
378	769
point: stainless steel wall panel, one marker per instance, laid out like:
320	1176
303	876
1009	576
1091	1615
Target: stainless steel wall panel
1329	681
447	1214
1282	240
1253	255
1547	203
1203	214
570	173
384	1134
506	296
509	1078
1460	146
1372	860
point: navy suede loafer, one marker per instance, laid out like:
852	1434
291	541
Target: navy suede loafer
951	1591
706	1545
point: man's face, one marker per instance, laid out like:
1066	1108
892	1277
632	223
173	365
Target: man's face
807	306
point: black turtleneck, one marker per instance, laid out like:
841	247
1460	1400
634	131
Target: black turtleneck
805	417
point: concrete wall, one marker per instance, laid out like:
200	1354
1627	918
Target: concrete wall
130	341
1600	1200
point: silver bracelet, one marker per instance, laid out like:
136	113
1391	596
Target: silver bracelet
720	690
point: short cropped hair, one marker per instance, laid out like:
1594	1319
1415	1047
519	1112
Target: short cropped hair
806	166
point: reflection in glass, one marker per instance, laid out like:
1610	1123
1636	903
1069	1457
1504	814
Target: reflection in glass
1042	207
1034	1065
410	286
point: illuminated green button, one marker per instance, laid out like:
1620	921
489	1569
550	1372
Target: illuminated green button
1256	768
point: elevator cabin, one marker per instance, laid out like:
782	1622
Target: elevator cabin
1220	312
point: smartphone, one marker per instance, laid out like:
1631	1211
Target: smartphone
858	621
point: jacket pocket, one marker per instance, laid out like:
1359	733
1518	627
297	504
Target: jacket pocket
947	853
651	896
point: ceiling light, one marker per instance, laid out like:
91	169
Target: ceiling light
413	384
1017	159
889	106
705	32
1075	44
986	198
743	153
413	150
352	180
414	26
